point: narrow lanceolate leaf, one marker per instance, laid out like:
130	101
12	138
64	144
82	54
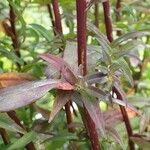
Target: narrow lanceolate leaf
23	141
12	78
100	37
7	123
11	55
41	30
141	140
62	66
96	115
125	104
110	130
128	36
62	98
121	65
26	93
98	77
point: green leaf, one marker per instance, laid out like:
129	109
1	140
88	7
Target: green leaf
23	141
43	2
42	31
11	55
127	48
101	38
7	123
128	36
121	64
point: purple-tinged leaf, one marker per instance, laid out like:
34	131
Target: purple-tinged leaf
114	134
51	72
120	90
96	115
62	66
94	91
26	93
126	104
141	140
70	55
62	98
112	117
97	78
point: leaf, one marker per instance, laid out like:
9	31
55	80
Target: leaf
41	30
100	37
126	105
62	98
62	66
141	141
23	141
70	55
26	93
97	78
42	2
128	36
11	55
112	117
7	123
121	64
12	78
139	101
96	115
114	134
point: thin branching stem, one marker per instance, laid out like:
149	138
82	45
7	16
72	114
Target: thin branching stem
82	59
4	136
126	120
108	25
14	36
118	14
107	19
96	13
58	24
51	17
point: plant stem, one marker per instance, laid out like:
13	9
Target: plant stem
57	24
12	115
51	16
107	19
58	28
96	15
4	136
14	37
118	15
126	120
82	59
109	30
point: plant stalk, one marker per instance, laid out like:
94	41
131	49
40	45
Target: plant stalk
96	13
51	16
118	14
126	120
57	23
82	59
14	36
108	24
109	30
4	136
